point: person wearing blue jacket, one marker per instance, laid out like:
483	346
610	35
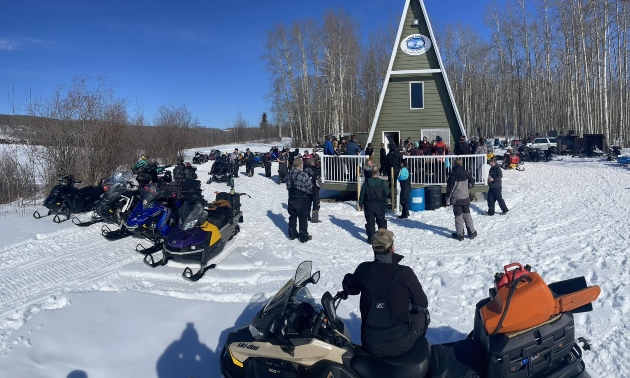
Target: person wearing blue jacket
328	146
353	147
405	189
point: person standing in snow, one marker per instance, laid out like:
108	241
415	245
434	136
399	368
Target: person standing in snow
300	188
404	178
234	160
249	163
372	200
267	162
314	171
495	177
457	193
393	304
283	159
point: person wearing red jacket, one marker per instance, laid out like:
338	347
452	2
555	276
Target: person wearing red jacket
440	149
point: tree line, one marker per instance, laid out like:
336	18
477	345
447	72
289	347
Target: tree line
546	65
86	130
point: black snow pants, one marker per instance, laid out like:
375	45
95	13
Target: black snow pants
494	195
374	216
268	170
298	213
249	169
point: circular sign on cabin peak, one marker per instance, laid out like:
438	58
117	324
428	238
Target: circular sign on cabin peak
416	44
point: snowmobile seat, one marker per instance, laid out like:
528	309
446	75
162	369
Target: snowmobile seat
219	213
415	363
84	199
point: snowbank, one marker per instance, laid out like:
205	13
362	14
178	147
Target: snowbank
567	218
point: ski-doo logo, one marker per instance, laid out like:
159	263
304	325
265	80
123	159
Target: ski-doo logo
416	44
380	305
247	346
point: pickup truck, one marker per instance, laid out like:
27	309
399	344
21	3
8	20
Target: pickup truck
544	143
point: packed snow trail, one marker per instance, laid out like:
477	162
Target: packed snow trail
567	218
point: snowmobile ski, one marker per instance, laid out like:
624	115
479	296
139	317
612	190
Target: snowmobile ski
188	275
110	234
37	215
148	251
58	219
77	222
150	261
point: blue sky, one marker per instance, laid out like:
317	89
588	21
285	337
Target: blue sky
204	54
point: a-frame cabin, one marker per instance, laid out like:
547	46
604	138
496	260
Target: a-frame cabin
416	99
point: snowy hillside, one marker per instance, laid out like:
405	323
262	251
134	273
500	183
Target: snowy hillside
73	304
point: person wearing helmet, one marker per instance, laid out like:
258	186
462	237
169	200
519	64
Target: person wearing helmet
140	165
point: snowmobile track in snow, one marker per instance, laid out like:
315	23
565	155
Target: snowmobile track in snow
36	280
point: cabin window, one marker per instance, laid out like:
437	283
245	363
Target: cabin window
416	95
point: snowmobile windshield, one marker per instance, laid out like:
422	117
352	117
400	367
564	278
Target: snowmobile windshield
150	194
190	214
118	183
281	296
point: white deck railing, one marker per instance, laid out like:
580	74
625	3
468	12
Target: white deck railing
434	170
426	170
341	169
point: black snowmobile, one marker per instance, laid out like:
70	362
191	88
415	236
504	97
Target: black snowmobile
202	232
199	158
65	199
221	171
292	336
122	195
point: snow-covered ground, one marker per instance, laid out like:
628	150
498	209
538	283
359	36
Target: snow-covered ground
74	305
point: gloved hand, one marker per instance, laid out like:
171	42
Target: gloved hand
342	294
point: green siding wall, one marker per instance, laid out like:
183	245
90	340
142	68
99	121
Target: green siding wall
425	61
395	114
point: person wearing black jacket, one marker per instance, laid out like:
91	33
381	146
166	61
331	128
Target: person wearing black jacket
388	327
394	160
292	156
249	163
494	192
462	147
457	187
369	152
314	171
383	160
267	163
372	200
282	166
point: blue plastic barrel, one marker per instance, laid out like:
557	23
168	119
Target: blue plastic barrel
416	199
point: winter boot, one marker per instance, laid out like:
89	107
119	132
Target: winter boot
305	238
315	217
505	212
457	237
472	235
292	234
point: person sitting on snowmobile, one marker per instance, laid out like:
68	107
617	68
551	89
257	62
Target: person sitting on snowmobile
388	291
140	165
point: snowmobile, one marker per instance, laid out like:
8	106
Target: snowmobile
122	195
199	158
153	216
202	232
221	171
293	336
65	199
